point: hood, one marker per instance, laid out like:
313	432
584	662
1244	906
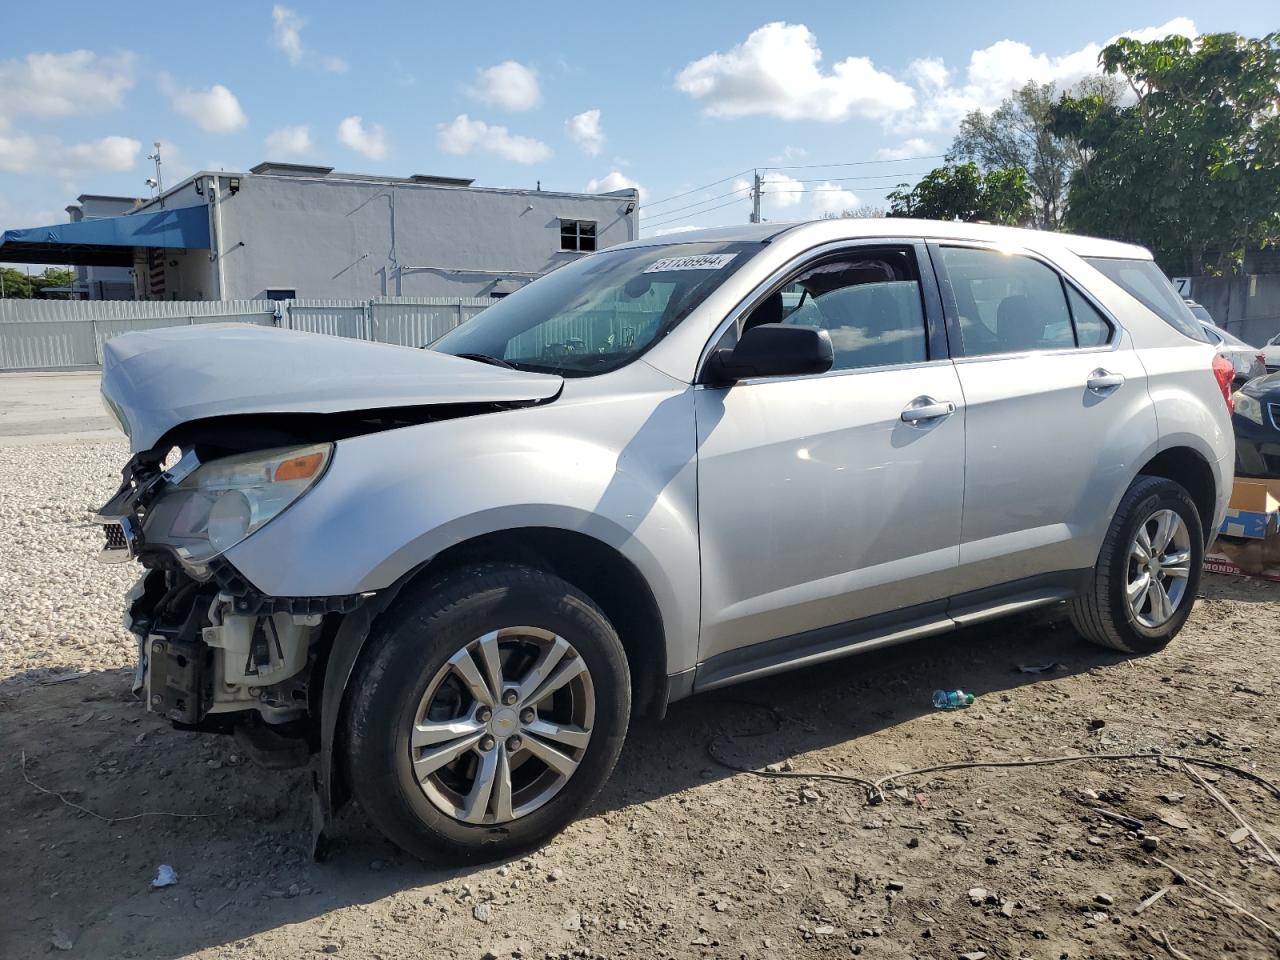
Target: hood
153	381
1267	387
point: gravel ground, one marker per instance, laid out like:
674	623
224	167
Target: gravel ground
682	856
61	609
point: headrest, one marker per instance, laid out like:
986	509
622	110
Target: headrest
1017	324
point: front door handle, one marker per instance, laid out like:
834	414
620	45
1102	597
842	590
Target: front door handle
927	408
1100	381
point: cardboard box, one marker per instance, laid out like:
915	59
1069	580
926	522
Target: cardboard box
1259	496
1254	511
1248	544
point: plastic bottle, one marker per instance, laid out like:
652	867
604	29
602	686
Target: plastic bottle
951	699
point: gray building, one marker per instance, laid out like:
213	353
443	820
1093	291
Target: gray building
283	231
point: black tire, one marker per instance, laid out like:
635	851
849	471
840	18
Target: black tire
1101	614
411	644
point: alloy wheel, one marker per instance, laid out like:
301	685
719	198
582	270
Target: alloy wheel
1159	565
503	725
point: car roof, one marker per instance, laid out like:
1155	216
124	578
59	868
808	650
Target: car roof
854	228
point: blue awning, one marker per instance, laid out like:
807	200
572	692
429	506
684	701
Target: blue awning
107	241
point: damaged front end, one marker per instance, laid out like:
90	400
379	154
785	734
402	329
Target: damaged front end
214	653
229	426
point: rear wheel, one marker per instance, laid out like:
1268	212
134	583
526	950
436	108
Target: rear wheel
1148	571
486	714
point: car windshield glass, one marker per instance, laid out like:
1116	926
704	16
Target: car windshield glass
1143	281
599	313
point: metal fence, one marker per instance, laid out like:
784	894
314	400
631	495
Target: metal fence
60	334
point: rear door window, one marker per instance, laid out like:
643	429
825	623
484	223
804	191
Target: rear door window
1007	303
1143	281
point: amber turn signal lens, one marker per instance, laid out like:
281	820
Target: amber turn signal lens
299	468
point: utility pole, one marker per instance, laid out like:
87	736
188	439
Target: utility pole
755	197
156	157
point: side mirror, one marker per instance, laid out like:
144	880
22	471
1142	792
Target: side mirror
772	350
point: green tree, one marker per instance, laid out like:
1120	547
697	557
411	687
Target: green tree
1019	133
963	192
15	284
19	286
860	212
1191	168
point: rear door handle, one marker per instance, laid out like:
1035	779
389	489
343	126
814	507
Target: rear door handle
928	409
1100	380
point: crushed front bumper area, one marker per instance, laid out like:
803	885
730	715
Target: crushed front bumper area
211	650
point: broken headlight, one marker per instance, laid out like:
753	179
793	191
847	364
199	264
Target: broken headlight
223	501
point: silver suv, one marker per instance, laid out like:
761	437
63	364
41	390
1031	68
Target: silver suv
448	578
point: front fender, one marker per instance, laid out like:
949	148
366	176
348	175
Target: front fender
617	468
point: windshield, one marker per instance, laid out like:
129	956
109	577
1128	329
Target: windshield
1143	281
599	313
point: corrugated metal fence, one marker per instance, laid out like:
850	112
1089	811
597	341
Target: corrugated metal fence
56	334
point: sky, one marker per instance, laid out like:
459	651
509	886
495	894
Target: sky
836	103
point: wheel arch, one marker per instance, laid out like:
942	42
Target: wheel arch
1188	468
597	568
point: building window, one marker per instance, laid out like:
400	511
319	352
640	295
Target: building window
578	235
281	293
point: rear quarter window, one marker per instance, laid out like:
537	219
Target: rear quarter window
1143	281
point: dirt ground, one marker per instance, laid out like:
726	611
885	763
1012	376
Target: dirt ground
682	855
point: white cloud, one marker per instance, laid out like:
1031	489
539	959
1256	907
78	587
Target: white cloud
509	84
778	71
289	142
115	154
286	34
584	130
1179	26
370	141
790	155
464	135
829	198
62	84
997	70
615	180
215	110
22	153
17	153
911	147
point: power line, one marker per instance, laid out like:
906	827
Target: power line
789	166
668	218
731	193
856	163
686	216
878	176
677	196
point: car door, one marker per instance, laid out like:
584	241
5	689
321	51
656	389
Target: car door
1057	415
830	498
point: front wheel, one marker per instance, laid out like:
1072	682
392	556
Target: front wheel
486	714
1148	570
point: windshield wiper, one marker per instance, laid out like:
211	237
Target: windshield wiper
485	358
